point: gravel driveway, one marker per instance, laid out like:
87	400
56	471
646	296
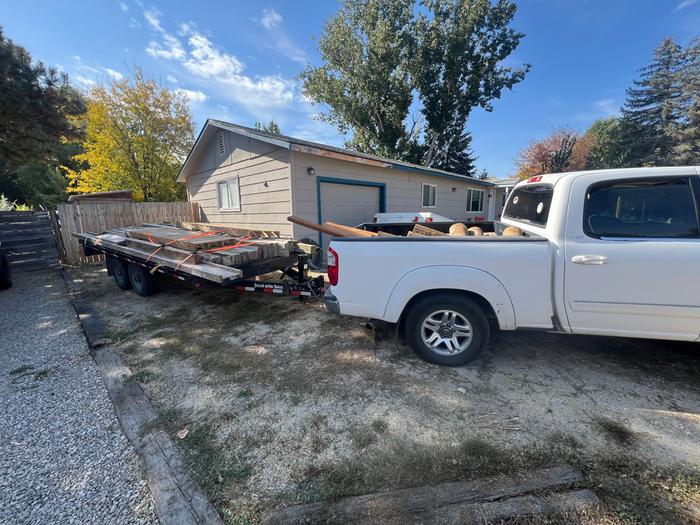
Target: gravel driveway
63	457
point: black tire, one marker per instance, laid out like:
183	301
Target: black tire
438	306
142	282
118	269
5	277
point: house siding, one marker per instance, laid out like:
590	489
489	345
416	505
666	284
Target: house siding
403	189
263	172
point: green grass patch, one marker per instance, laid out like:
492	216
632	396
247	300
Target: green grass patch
143	376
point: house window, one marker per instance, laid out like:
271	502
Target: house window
429	195
229	196
475	200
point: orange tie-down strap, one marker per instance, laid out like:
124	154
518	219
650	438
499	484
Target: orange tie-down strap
185	238
241	243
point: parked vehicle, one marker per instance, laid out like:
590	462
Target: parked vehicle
5	277
610	252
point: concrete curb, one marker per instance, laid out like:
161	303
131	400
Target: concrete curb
178	499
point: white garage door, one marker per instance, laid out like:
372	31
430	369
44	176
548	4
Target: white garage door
348	204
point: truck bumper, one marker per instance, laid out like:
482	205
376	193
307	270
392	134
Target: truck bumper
331	303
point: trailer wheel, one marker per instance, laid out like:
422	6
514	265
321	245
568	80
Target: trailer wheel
142	282
117	268
447	329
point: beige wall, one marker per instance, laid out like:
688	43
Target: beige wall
403	189
263	171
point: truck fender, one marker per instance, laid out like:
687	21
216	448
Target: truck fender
451	277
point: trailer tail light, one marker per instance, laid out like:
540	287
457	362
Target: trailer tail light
332	266
429	219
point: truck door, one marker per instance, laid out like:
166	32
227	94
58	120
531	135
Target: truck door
632	265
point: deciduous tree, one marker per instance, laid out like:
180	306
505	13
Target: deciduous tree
442	57
138	133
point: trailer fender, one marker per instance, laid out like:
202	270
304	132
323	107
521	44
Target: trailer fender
461	278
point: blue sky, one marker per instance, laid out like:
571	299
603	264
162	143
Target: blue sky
238	60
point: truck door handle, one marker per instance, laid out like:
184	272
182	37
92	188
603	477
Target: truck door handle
590	259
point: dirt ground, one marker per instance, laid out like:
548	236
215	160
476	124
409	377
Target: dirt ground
285	403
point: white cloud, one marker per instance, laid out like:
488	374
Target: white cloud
603	108
171	78
86	82
289	49
271	18
192	95
207	61
170	48
116	75
152	16
123	7
682	5
217	69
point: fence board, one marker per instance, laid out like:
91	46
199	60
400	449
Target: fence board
100	216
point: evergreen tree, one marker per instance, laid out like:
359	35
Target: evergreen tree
39	121
687	137
651	115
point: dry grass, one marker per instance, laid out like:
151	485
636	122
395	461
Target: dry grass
286	404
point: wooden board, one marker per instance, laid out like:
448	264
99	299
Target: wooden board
419	229
179	238
323	228
353	232
234	232
429	504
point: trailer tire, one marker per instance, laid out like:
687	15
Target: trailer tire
442	317
118	269
142	282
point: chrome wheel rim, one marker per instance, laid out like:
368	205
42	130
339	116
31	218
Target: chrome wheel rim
446	332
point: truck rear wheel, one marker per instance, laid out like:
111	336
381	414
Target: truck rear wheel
117	268
142	282
447	329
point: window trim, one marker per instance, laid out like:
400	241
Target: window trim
469	200
693	185
238	188
422	195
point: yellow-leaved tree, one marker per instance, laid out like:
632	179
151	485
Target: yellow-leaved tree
137	135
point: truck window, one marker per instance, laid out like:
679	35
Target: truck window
641	208
530	204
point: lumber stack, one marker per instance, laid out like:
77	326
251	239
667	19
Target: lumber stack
214	252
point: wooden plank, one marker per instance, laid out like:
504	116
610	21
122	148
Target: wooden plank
167	251
353	232
179	238
230	230
425	230
428	500
328	230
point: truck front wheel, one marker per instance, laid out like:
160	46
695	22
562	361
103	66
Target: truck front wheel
447	329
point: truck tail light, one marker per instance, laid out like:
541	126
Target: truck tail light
333	266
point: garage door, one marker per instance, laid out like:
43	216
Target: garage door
348	204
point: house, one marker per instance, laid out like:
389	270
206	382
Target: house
504	187
245	177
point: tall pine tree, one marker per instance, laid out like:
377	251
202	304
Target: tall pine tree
687	136
652	113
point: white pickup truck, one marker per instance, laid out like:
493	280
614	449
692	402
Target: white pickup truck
611	252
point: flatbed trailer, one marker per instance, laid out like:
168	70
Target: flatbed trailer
137	270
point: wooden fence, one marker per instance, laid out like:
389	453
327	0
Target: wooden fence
98	217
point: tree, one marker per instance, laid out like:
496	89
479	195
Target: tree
652	112
606	149
561	151
39	119
138	133
441	56
686	150
270	127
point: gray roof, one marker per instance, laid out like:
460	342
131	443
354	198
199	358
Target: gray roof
286	142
